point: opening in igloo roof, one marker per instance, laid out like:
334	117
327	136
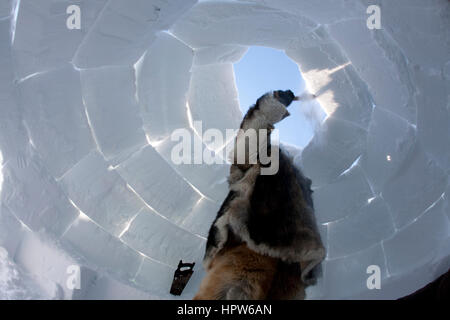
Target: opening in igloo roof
260	70
87	115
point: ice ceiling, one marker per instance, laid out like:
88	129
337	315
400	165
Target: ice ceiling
86	118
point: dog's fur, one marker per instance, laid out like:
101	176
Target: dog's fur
238	273
263	243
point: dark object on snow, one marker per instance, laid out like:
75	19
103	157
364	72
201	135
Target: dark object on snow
438	290
181	277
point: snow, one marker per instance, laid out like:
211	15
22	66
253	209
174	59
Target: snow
369	226
416	243
160	239
35	197
433	130
342	198
53	107
40	43
222	94
331	76
209	180
418	184
218	54
159	185
333	149
122	33
352	271
387	88
10	224
98	247
109	108
101	194
87	117
390	141
162	83
227	22
13	283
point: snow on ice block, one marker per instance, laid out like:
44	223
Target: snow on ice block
433	116
225	22
355	100
323	11
403	284
420	28
348	276
390	141
159	185
16	284
446	70
447	200
343	198
6	65
331	77
11	231
56	119
6	8
163	82
208	178
376	65
200	219
355	29
155	278
160	239
14	140
42	39
364	229
107	288
51	267
213	100
123	32
219	54
100	249
333	149
7	83
35	197
416	243
415	187
101	193
400	65
109	96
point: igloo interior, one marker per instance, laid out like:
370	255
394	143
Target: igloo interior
87	114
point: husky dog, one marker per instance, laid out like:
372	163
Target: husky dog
264	242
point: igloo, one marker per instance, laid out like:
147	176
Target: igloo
87	114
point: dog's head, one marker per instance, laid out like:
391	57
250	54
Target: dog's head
285	97
273	105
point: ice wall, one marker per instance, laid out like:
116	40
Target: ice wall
86	118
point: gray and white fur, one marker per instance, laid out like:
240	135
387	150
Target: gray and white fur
272	214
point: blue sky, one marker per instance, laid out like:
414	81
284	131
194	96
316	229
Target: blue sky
263	69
